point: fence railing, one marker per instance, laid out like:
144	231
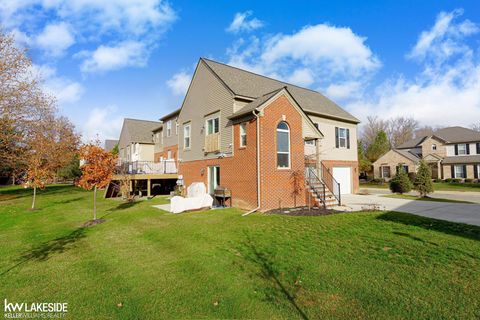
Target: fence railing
315	184
146	167
330	182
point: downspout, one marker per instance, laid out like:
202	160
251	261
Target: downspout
258	167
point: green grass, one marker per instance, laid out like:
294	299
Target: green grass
218	264
410	197
437	186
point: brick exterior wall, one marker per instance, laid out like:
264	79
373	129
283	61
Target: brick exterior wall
237	173
354	170
164	153
392	159
276	188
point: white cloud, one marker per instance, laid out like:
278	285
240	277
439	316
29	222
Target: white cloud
241	22
445	92
103	123
63	89
106	58
55	38
301	77
444	39
316	56
179	83
344	91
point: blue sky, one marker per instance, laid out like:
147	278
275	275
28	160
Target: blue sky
106	60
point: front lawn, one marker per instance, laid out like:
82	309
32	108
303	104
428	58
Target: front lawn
437	186
143	263
410	197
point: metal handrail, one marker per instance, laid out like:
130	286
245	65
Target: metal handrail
312	178
165	166
331	183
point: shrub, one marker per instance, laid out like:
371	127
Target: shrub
400	183
456	180
449	180
438	180
423	181
412	176
378	180
468	180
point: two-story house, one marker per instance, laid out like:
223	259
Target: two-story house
452	152
136	142
252	134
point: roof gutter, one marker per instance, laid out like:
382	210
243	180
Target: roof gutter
258	167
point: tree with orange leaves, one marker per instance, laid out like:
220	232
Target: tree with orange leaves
97	169
52	142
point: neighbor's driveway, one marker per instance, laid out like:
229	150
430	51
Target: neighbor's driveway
455	212
470	196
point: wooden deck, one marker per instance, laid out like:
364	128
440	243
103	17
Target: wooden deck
147	176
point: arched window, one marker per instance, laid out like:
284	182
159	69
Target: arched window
283	145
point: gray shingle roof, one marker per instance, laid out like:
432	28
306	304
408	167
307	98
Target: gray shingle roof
171	114
110	144
457	134
407	154
411	143
255	104
462	159
248	84
140	130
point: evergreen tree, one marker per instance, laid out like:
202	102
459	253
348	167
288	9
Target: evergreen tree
379	147
400	183
365	166
423	181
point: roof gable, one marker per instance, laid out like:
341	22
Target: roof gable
247	84
136	130
457	134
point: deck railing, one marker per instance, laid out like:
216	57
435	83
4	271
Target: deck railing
147	167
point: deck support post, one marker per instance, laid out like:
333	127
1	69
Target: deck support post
149	186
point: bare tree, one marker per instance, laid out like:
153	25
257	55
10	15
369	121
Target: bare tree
476	126
371	128
400	130
424	131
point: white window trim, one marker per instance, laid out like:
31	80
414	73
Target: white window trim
189	126
389	171
434	147
283	152
465	150
455	171
340	138
169	128
243	127
212	119
215	172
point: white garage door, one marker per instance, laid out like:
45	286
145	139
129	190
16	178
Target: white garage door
343	175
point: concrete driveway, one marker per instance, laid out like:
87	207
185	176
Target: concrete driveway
470	196
454	212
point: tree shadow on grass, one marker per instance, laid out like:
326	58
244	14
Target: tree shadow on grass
451	228
276	287
11	194
45	250
124	205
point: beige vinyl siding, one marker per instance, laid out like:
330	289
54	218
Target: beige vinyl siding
205	96
173	139
328	151
158	147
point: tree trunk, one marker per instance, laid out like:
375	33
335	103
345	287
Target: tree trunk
34	196
95	203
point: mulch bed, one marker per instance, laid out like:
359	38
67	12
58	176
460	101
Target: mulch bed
303	211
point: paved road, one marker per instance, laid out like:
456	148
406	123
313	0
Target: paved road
455	212
470	196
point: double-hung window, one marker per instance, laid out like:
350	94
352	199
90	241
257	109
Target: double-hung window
385	171
169	128
186	136
243	134
462	149
283	145
342	137
213	126
459	171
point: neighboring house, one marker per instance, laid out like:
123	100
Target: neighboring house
452	152
110	144
136	140
166	137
